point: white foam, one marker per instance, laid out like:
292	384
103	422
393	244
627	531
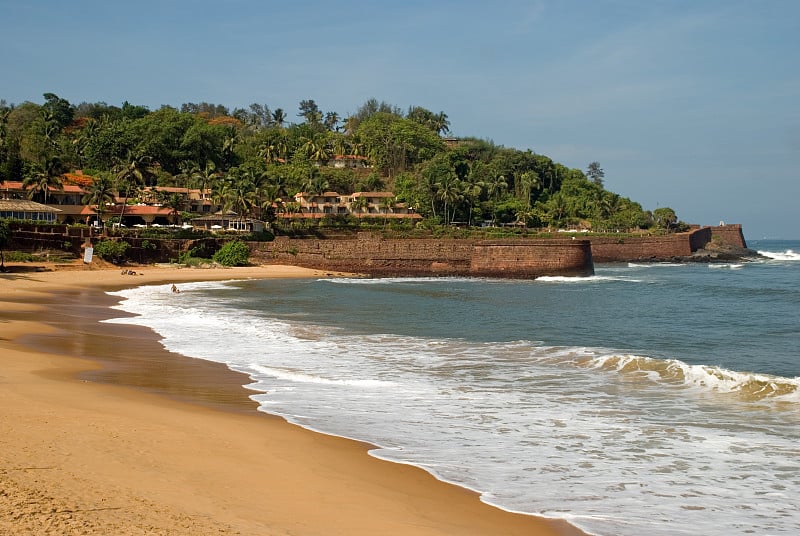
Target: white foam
581	279
299	377
788	255
735	266
395	280
563	431
676	372
656	265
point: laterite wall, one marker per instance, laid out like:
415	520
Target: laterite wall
417	257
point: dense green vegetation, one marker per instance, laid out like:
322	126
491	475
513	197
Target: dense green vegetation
233	253
112	250
255	159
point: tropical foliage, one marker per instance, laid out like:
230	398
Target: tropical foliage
234	253
111	250
255	160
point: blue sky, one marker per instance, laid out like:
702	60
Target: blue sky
693	105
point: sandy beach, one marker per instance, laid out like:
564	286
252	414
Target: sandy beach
102	431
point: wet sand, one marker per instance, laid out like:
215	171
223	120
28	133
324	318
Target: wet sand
102	431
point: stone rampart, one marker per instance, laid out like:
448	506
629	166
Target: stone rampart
371	254
729	234
664	247
641	248
420	257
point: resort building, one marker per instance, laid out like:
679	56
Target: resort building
67	200
23	209
359	204
163	205
229	221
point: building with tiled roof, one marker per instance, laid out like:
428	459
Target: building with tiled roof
24	209
374	204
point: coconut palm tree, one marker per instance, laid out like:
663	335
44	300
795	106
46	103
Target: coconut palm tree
359	204
472	190
268	194
133	172
448	191
100	194
440	123
240	191
387	207
175	203
496	187
42	177
204	178
279	117
527	182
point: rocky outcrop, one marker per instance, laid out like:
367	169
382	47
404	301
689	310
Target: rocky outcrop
718	252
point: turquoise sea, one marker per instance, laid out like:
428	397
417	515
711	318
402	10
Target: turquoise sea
655	399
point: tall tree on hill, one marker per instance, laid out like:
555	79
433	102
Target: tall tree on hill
279	117
58	113
665	217
310	112
595	173
436	122
331	121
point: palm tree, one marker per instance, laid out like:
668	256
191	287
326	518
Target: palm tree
239	192
557	207
100	194
440	123
316	148
472	193
331	121
359	204
175	203
267	194
279	117
43	177
133	172
448	191
204	178
526	184
83	138
497	186
387	206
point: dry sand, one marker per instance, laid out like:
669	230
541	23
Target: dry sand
102	431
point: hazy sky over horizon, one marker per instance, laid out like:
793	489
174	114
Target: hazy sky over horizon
687	104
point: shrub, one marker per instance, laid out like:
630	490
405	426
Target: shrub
235	253
111	250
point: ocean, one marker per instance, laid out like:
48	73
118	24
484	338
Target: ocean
655	399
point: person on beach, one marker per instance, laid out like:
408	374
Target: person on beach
174	288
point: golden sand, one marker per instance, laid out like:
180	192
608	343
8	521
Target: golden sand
102	431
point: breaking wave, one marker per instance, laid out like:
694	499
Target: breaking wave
788	255
746	385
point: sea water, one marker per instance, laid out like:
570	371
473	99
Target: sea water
647	399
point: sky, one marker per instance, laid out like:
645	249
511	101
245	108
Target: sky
693	105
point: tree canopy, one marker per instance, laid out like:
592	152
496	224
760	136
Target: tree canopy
252	156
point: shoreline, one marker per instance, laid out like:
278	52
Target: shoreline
104	431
